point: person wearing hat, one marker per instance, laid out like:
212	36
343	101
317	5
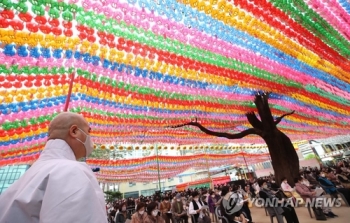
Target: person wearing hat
178	211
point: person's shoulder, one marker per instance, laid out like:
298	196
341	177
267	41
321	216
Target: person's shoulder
70	169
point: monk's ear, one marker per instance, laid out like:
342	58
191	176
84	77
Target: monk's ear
73	131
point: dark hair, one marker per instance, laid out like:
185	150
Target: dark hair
211	193
140	205
261	182
234	187
121	206
195	194
296	180
166	198
224	190
283	179
150	207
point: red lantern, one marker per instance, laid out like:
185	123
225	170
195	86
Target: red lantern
38	83
103	41
111	44
121	41
55	82
11	78
4	23
110	37
68	32
41	20
82	35
54	22
56	31
31	78
45	29
32	27
67	25
25	17
28	84
80	28
7	14
90	31
101	34
7	85
17	84
119	47
17	25
47	82
91	39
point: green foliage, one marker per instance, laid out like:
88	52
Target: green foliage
112	195
310	156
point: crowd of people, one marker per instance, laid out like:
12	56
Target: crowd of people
178	207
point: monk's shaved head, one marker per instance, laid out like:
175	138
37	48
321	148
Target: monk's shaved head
73	129
59	126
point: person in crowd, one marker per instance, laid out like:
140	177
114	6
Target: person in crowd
152	214
288	190
140	214
287	211
231	217
205	195
306	192
184	200
178	211
243	196
165	208
312	180
197	208
122	215
343	179
56	182
331	189
305	181
274	185
213	202
285	186
331	176
112	215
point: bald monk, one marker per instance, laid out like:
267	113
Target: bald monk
58	188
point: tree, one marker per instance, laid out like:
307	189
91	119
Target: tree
112	195
285	160
310	157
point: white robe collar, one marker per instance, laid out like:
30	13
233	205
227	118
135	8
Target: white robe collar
57	149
